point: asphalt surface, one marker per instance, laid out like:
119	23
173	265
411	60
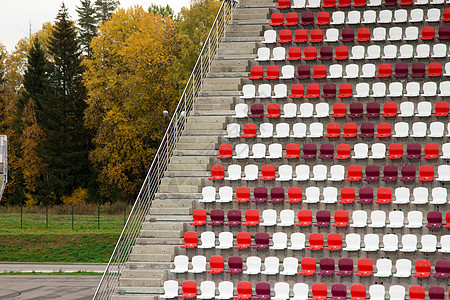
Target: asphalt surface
50	267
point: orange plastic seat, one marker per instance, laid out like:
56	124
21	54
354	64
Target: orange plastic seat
310	53
294	53
384	70
334	241
199	216
354	173
242	194
431	151
301	36
217	172
304	218
285	36
347	195
244	240
256	72
343	151
434	69
328	3
225	151
190	240
358	292
350	129
283	4
189	288
308	265
365	267
312	90
291	19
395	151
273	72
389	109
416	292
344	3
384	195
273	110
423	268
426	173
319	291
295	195
345	90
339	110
244	290
292	151
251	217
441	108
315	36
268	172
384	129
323	18
333	129
341	53
249	130
297	91
363	35
277	19
428	33
320	71
341	218
315	241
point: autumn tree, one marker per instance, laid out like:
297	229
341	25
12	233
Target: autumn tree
104	9
163	11
87	24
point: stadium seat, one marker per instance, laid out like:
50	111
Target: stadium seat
342	53
416	292
431	151
436	293
170	289
303	71
441	108
256	72
308	265
423	268
347	195
315	36
333	130
270	37
350	130
353	242
190	239
294	194
365	267
345	90
292	19
343	151
326	266
319	291
345	266
283	4
243	242
294	53
384	195
271	264
315	241
361	151
367	130
277	19
372	109
261	240
444	32
323	18
234	217
334	241
297	91
329	194
354	173
297	241
369	17
244	290
217	264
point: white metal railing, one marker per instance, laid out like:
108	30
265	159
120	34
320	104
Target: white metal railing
130	232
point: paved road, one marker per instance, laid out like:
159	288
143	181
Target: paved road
43	287
50	267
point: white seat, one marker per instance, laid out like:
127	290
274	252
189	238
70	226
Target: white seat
443	173
402	195
358	52
170	289
374	3
248	91
424	109
242	151
433	15
297	241
271	265
362	90
403	267
313	4
290	266
302	173
331	35
241	111
312	194
285	172
396	219
379	34
208	239
278	53
265	130
181	264
397	292
411	33
406	51
226	193
225	240
422	51
335	71
361	151
280	91
353	17
250	172
319	173
264	91
445	244
436	129
440	51
429	243
306	110
279	240
300	291
270	37
368	71
253	265
316	130
330	194
371	242
337	18
395	89
378	151
444	88
400	16
290	110
208	194
225	290
322	110
446	69
299	4
429	89
275	151
415	219
269	217
299	130
351	71
208	290
369	17
446	151
287	72
263	54
416	15
234	172
406	109
419	129
420	195
282	130
439	195
258	150
409	243
433	2
287	217
378	218
233	130
359	218
421	2
337	173
198	264
401	129
384	268
396	33
390	52
281	290
412	89
352	242
373	52
390	242
379	89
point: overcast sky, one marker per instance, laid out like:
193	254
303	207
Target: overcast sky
16	16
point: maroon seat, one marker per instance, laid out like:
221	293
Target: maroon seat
442	268
418	70
436	293
408	173
326	266
434	219
260	194
262	290
390	173
303	71
365	195
390	2
326	151
401	70
309	151
413	150
326	53
234	217
276	195
356	110
367	129
444	33
373	110
338	291
323	218
217	217
348	35
329	90
345	266
307	18
234	265
256	110
261	240
372	173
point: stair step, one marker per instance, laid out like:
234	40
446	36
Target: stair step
170	210
178	196
162	225
135	297
179	188
140	290
161	233
140	282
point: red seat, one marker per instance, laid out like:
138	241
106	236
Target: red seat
384	70
384	129
341	53
323	18
447	219
340	218
268	172
434	69
189	288
308	265
328	3
423	268
441	108
363	34
347	195
395	151
406	2
333	130
291	19
217	172
273	72
251	217
350	129
431	151
285	36
292	151
389	109
294	194
343	151
304	218
344	3
277	19
242	194
358	292
339	110
199	216
310	53
426	173
334	240
312	90
244	240
365	267
384	195
345	90
249	130
297	90
301	36
244	290
315	241
320	71
256	72
273	110
225	151
416	292
354	173
446	15
282	4
294	53
190	240
315	36
427	33
217	264
319	291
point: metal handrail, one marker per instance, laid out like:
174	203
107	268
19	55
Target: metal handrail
117	263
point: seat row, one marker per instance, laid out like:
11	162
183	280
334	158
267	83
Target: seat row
284	4
244	290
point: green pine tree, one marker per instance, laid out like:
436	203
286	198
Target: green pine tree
104	9
88	25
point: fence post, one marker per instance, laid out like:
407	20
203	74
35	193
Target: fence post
21	217
46	216
98	216
72	218
124	215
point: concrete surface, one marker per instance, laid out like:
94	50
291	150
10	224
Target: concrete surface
50	267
